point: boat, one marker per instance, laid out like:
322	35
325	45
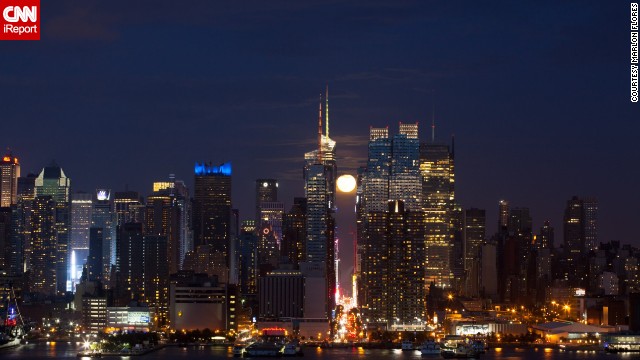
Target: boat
261	348
461	351
12	328
430	348
407	346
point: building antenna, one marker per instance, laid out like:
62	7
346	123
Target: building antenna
326	109
433	124
320	129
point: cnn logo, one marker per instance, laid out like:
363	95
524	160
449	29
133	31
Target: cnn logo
20	20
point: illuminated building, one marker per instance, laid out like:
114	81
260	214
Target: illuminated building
320	173
5	236
546	237
162	218
94	260
590	208
81	210
128	207
19	252
131	318
156	275
44	250
248	258
9	174
438	196
405	182
474	236
212	210
266	191
129	263
281	295
574	240
393	284
105	218
199	301
94	313
503	215
53	182
293	233
162	185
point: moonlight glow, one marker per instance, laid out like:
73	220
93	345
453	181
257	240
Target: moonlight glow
346	183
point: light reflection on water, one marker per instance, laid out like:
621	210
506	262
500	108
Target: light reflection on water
69	351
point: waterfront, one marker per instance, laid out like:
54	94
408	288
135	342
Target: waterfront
63	350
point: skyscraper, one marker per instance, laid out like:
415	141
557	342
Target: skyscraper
474	237
590	207
94	260
105	218
81	210
53	182
546	237
266	191
503	215
44	251
320	172
405	182
438	196
129	207
129	263
162	218
293	235
9	174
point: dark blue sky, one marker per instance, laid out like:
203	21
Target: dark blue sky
537	94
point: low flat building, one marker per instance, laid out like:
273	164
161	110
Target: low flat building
554	331
126	318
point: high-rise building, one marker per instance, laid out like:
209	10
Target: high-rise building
5	236
94	260
271	216
405	182
574	229
266	191
248	258
546	237
590	208
293	236
129	207
212	210
156	275
320	173
81	210
20	245
182	201
105	218
53	182
44	249
438	196
129	263
162	218
503	216
9	174
474	237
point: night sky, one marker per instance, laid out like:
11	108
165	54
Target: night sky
537	93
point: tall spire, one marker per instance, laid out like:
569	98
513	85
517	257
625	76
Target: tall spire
326	110
433	124
320	129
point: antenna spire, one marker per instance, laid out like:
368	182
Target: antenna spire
320	129
433	124
326	109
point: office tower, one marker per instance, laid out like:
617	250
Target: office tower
293	235
129	207
546	237
438	196
248	258
44	250
573	237
457	258
590	208
212	210
474	236
392	279
95	258
281	295
9	174
182	201
234	248
156	275
375	179
105	218
520	231
53	182
489	271
503	216
162	218
405	181
266	191
21	235
81	210
271	214
129	263
5	236
320	172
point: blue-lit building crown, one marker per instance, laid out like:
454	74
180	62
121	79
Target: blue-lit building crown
208	169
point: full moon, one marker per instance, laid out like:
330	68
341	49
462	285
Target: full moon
346	183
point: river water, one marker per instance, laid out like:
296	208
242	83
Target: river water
68	351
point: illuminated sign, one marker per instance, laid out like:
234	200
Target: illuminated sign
103	194
137	318
580	292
